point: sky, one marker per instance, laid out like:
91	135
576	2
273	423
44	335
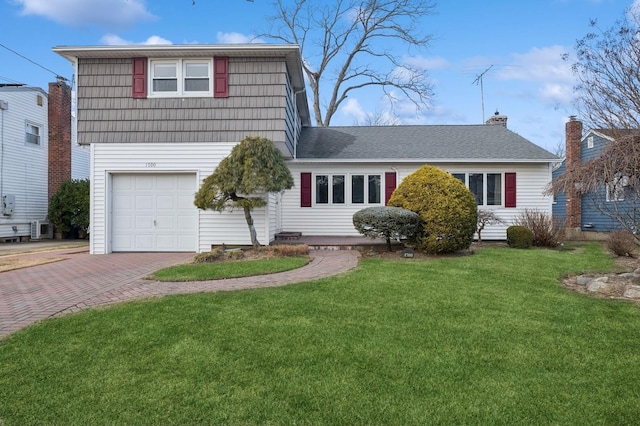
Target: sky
485	56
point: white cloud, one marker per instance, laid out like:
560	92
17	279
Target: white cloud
544	69
539	65
352	108
102	13
114	40
236	38
427	64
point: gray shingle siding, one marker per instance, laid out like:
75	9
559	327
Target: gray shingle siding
437	142
257	105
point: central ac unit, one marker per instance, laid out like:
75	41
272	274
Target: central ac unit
41	229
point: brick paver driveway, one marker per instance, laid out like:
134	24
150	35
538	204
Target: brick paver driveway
82	280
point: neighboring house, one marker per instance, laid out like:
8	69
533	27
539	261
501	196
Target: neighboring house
159	119
581	214
35	156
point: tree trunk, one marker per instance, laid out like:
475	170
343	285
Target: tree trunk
252	229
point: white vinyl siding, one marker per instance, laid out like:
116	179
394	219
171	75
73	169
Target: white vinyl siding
24	165
334	220
157	158
80	154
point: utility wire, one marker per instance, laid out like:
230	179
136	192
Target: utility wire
58	76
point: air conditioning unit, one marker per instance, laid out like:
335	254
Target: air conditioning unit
41	229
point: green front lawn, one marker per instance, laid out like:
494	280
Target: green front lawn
222	270
490	338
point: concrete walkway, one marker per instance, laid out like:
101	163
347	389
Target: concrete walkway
77	280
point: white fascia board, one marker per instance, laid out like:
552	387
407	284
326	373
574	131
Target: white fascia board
596	133
418	160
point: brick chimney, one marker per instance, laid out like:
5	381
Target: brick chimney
573	132
497	119
59	135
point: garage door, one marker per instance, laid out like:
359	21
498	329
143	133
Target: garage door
153	212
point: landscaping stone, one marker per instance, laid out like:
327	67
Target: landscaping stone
632	292
628	275
599	284
584	280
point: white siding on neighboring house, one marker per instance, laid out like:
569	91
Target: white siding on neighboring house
23	165
212	228
333	220
79	154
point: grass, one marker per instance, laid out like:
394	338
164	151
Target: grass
485	339
235	269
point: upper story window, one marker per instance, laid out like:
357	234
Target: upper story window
181	77
32	134
590	142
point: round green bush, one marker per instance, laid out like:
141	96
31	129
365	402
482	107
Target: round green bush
519	237
447	208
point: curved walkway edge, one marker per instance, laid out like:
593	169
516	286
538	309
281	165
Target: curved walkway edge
82	281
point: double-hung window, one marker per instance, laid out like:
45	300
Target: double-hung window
333	189
181	77
32	134
330	187
485	187
365	188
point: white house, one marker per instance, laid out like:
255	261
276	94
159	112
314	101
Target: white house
159	119
32	162
23	159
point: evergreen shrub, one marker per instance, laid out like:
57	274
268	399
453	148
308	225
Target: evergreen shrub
519	237
446	207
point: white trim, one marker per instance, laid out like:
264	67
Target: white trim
417	161
180	77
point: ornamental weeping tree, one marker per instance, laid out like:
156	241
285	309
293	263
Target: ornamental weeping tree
254	168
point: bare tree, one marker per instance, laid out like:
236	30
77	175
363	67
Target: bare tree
378	118
352	44
607	67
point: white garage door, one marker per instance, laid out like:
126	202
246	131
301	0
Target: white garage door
153	212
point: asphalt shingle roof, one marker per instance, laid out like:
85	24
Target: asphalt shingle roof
437	142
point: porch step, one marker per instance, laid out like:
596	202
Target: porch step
288	236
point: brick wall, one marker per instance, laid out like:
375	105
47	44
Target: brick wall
573	132
59	135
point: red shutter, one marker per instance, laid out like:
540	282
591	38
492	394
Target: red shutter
221	77
389	185
139	82
509	189
305	189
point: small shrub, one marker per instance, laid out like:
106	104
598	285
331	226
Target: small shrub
69	207
519	237
446	207
621	243
289	249
210	256
388	222
546	231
